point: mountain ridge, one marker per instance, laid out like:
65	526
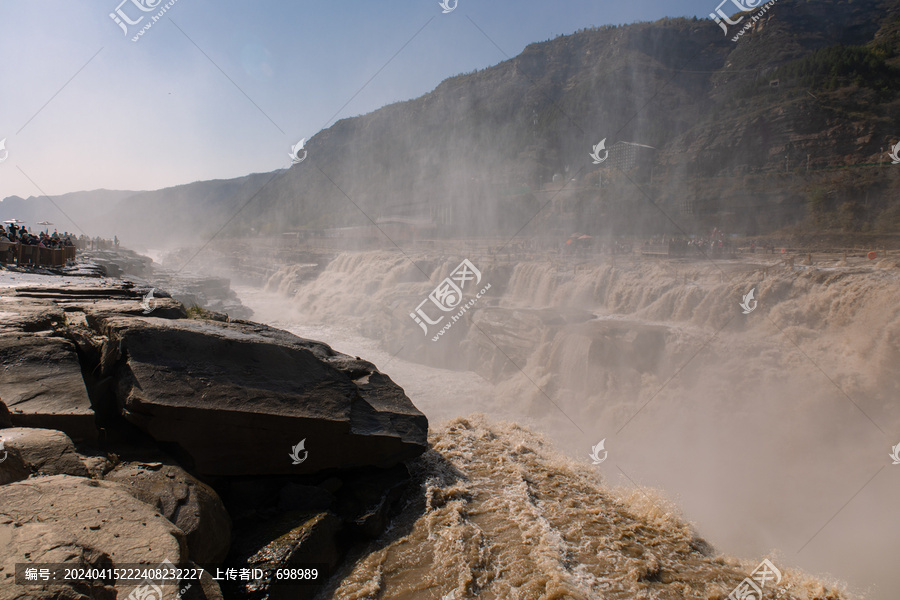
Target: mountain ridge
793	118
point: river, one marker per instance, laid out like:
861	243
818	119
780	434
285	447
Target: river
770	430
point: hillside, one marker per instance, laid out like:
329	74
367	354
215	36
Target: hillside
790	125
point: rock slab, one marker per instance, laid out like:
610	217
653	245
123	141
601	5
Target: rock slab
42	386
237	398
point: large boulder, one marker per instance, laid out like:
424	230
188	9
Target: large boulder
237	398
43	451
41	543
94	519
187	502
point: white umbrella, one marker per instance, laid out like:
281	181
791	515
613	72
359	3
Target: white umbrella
13	222
44	223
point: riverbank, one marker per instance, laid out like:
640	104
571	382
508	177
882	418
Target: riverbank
201	441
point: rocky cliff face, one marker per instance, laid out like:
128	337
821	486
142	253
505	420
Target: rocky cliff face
198	440
232	397
205	291
745	133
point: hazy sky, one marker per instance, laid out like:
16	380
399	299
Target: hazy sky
214	90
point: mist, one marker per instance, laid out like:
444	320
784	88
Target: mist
770	429
759	427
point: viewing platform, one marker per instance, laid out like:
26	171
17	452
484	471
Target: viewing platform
35	256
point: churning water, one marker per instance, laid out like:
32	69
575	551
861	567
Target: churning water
770	431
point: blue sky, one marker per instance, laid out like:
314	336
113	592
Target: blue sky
219	89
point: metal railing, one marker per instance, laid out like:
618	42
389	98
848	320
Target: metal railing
35	256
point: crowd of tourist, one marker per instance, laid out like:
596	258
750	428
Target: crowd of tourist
84	242
16	234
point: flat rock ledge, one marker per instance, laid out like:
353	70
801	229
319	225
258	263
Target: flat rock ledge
226	398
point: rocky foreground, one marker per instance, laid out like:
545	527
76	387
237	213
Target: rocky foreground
135	434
